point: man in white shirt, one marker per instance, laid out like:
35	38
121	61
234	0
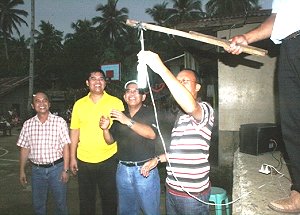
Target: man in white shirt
283	27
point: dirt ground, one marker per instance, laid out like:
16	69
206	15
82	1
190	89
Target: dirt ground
16	200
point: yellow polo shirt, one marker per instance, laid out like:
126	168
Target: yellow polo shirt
92	147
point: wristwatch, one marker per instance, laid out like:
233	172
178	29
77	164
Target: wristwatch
158	160
131	123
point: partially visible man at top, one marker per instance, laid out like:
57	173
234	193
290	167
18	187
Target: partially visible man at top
188	167
94	160
44	140
135	134
283	27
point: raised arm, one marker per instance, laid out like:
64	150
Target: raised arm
182	96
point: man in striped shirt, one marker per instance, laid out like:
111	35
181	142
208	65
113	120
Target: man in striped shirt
188	185
44	140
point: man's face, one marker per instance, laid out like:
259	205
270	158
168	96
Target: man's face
41	103
189	81
132	96
96	83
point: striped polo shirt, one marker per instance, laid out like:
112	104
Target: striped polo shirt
188	153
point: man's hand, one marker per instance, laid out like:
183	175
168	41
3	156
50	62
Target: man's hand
73	166
23	179
119	116
234	47
152	60
104	123
148	166
64	177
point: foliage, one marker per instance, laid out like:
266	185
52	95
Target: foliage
159	13
48	55
62	63
18	61
82	51
183	11
229	7
10	19
112	21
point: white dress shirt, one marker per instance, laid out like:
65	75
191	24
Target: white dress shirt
287	19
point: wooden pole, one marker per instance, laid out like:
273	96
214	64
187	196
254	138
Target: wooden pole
196	36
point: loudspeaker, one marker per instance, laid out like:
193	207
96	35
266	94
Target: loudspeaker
258	138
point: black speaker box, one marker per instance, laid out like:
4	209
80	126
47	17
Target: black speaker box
258	138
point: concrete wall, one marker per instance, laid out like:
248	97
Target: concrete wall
246	95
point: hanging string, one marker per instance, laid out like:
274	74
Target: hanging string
142	76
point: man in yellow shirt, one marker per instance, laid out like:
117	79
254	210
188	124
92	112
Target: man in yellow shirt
90	156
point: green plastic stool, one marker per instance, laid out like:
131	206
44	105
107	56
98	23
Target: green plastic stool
217	196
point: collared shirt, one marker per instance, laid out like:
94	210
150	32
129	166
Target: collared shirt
45	140
131	146
86	115
287	19
189	152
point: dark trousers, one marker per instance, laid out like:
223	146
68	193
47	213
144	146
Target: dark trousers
102	176
289	99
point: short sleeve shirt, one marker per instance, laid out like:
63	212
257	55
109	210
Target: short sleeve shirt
131	146
287	19
45	140
86	115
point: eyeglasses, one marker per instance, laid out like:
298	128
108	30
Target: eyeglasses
185	81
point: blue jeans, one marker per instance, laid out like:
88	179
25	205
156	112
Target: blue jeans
136	192
177	205
43	180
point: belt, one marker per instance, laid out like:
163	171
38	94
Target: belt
134	163
292	36
49	164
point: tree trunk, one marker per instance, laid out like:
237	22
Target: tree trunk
5	46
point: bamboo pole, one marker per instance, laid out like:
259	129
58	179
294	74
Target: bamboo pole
196	36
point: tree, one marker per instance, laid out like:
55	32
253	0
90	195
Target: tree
80	27
184	10
48	40
229	7
49	50
19	54
82	51
112	22
10	19
159	13
18	58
